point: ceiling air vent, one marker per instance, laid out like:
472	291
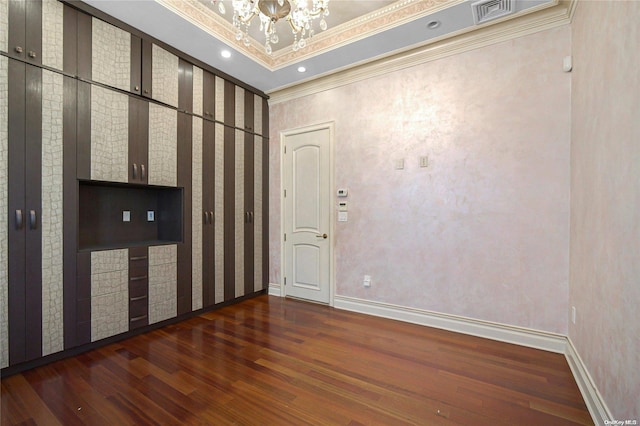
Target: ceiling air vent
488	10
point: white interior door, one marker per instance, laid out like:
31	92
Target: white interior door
307	213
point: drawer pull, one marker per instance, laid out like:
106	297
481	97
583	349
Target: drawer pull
143	277
138	258
134	319
135	299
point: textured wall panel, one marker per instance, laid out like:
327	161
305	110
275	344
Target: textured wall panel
51	215
4	31
163	145
196	215
109	293
163	289
219	99
52	30
240	211
219	214
239	107
110	55
109	135
257	210
4	188
198	87
257	114
164	82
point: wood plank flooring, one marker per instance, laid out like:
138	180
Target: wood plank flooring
273	361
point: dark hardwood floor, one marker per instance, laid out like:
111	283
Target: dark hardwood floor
271	361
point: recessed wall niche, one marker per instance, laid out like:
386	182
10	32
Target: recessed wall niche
101	208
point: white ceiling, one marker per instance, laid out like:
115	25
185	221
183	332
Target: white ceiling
359	31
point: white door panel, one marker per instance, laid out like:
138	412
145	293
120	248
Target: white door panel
307	214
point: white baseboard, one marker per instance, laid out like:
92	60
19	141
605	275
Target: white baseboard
550	342
275	290
504	333
592	398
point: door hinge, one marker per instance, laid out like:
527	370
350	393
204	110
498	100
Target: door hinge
285	193
285	237
285	149
285	280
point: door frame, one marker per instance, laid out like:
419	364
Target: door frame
330	125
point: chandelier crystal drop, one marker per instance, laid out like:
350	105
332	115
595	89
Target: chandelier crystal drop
298	13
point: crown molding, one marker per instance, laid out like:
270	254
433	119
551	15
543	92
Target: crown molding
541	20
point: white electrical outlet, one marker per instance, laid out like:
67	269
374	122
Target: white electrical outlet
126	216
399	164
151	216
424	161
573	314
367	281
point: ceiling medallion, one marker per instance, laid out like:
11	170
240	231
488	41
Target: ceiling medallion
297	12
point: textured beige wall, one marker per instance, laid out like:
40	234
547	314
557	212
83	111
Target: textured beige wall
605	199
482	232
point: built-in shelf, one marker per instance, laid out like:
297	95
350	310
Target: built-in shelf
101	206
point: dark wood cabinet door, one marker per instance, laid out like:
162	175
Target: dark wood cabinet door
138	140
249	104
184	180
249	196
208	96
24	202
25	30
185	86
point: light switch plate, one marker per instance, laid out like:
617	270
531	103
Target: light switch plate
126	216
343	216
343	192
399	164
151	216
342	206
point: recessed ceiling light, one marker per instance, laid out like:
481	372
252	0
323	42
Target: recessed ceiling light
225	54
302	69
433	25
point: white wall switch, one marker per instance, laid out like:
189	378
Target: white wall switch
342	206
126	216
424	161
151	216
399	164
343	216
366	282
343	192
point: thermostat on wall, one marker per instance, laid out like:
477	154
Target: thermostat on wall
343	192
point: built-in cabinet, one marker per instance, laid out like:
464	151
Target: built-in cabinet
133	182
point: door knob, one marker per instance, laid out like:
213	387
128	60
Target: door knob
322	236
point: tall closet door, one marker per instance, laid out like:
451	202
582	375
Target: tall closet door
207	218
24	205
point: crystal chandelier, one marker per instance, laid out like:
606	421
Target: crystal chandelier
297	13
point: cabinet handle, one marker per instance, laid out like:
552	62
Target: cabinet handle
141	317
143	173
18	49
250	217
138	258
206	218
32	54
33	219
137	88
143	277
135	171
146	91
211	217
19	219
135	299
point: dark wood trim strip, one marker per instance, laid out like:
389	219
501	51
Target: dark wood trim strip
147	71
208	205
185	86
248	112
33	33
136	64
85	40
208	96
70	209
249	204
83	159
265	212
229	212
265	118
83	298
16	202
17	27
185	148
229	104
70	41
